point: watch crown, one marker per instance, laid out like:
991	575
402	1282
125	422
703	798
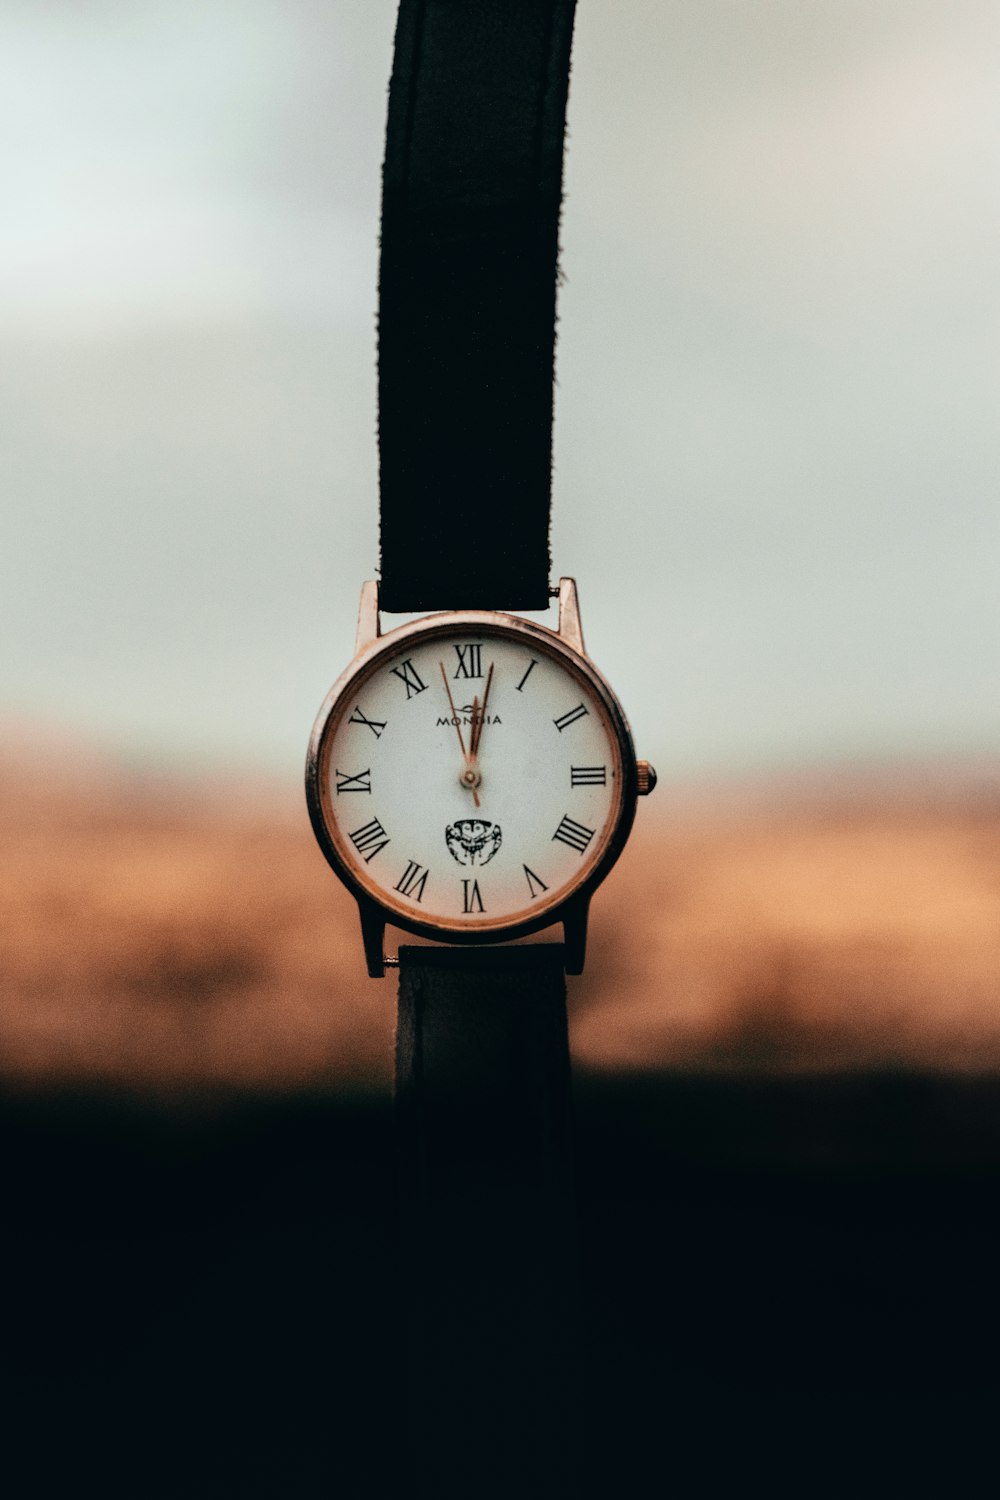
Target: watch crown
646	777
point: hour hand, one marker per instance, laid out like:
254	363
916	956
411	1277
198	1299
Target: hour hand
454	716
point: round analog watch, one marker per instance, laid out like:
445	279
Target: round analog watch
472	777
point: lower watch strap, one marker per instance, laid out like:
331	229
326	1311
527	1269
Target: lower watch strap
472	186
488	1231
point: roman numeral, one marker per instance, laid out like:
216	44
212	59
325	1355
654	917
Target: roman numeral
570	718
574	834
470	661
412	881
360	783
410	677
471	899
588	775
375	725
369	839
533	880
533	663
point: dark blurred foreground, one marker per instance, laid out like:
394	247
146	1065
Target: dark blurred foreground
787	1084
790	1286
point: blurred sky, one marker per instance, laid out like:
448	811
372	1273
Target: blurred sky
777	457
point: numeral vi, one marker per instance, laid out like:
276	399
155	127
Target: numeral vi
472	900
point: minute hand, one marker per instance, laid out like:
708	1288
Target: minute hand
470	776
480	718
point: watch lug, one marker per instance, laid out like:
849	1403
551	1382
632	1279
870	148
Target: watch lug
570	626
373	938
368	621
575	935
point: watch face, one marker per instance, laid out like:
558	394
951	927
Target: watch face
470	774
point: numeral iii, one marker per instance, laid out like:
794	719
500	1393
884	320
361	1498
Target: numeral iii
588	775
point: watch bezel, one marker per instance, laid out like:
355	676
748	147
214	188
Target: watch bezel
427	628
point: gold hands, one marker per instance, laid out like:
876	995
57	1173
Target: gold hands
470	777
479	718
451	703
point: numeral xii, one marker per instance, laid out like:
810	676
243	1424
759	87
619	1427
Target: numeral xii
470	661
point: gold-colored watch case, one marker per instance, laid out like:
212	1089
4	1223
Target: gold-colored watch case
565	644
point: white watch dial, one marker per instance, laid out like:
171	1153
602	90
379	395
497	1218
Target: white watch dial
470	778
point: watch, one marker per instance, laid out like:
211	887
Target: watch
471	776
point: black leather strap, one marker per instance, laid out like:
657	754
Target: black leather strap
488	1232
471	192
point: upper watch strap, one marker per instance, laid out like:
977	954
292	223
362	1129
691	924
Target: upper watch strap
472	186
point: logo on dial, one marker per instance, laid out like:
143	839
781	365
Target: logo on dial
473	841
468	713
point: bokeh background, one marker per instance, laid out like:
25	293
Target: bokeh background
775	443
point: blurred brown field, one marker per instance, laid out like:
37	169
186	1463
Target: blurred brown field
161	934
